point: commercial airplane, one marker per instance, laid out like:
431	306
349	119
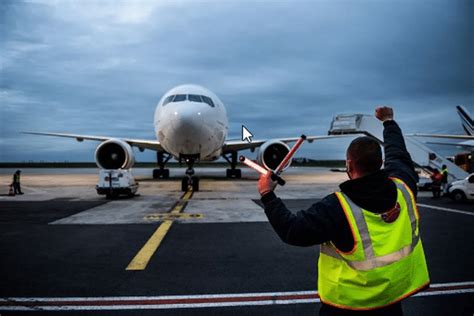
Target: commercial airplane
468	126
190	125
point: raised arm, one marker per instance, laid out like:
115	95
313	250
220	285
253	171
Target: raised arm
398	162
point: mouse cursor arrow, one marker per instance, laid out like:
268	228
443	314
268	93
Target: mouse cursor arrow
246	135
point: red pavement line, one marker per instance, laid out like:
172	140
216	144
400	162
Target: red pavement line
191	300
166	301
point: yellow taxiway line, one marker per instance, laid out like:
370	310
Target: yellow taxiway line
141	259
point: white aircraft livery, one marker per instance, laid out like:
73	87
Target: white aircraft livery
190	125
191	121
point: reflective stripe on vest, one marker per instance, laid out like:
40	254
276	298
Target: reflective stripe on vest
371	261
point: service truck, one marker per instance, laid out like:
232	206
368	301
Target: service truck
462	189
117	182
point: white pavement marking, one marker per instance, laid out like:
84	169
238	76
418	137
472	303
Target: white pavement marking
192	301
225	211
445	209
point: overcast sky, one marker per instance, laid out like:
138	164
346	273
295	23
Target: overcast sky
280	67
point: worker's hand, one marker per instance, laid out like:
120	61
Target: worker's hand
384	113
266	184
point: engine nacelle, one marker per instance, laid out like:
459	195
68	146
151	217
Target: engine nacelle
271	154
114	154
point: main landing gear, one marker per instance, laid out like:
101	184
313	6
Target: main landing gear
190	180
162	159
233	172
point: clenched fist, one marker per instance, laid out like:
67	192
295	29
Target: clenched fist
266	184
384	113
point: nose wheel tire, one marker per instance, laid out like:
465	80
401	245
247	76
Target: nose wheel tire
184	184
195	184
192	182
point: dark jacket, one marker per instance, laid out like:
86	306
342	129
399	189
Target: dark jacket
325	220
16	178
444	173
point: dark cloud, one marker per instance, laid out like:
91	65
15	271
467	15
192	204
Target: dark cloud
282	68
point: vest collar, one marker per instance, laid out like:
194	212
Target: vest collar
374	192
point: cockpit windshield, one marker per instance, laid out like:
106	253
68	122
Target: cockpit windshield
194	98
208	100
168	100
190	97
180	97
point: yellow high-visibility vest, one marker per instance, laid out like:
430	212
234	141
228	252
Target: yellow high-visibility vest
387	263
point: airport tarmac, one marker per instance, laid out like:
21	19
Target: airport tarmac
64	248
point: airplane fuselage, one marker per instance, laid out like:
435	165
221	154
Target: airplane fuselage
191	121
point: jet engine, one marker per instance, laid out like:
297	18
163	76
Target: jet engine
114	154
271	154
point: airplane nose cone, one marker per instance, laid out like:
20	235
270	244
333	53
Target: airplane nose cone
188	128
187	123
190	133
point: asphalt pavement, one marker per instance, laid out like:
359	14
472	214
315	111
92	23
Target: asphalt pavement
231	259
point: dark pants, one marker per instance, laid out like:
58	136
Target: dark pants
17	188
391	310
436	189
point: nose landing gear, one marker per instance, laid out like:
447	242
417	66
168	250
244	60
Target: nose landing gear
190	180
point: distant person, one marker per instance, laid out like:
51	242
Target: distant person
436	179
10	190
444	180
371	254
16	182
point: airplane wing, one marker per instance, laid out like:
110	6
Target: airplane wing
229	146
140	143
465	145
236	145
464	137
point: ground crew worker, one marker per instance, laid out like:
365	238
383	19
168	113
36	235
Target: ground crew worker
436	180
371	255
16	182
444	180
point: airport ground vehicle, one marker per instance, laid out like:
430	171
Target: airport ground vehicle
117	182
462	189
424	184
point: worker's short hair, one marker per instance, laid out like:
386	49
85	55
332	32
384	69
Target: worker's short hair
366	154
